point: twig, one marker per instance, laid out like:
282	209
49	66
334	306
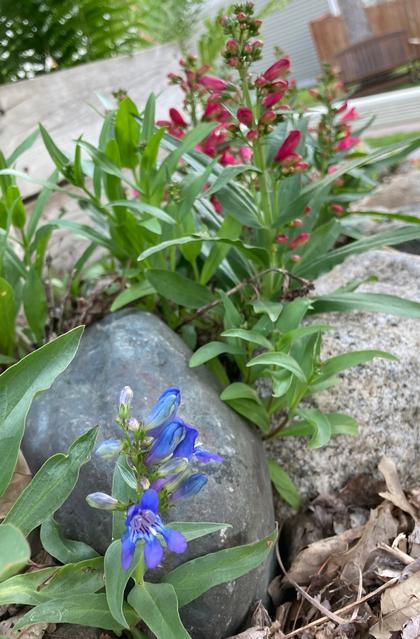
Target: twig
207	307
359	593
331	615
277	429
397	553
356	603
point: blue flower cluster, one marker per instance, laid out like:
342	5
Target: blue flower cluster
165	447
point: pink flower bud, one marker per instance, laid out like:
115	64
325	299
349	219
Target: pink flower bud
314	93
244	115
296	223
307	210
177	118
248	48
272	98
282	239
216	204
337	208
232	46
242	16
295	258
260	82
233	62
267	118
346	143
251	135
288	146
332	169
257	44
342	108
246	153
212	83
299	240
277	70
227	158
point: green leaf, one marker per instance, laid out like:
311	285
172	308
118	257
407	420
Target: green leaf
228	174
14	551
7	322
272	309
195	577
60	160
143	207
376	302
148	120
18	386
252	411
282	360
283	484
212	350
87	610
131	294
40	586
116	579
179	289
35	304
122	491
51	485
321	426
22	147
325	261
67	551
196	529
249	336
238	390
127	133
339	363
342	424
157	606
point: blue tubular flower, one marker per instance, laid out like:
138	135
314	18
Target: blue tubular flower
190	486
144	524
166	441
165	408
109	448
188	448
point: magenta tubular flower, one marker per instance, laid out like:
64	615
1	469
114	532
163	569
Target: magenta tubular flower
337	208
351	114
177	118
342	108
244	115
277	70
272	98
346	143
299	240
213	83
217	205
143	523
288	146
246	153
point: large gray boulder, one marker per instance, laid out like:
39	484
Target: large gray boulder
138	349
383	395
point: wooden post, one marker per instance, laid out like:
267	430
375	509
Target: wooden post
355	20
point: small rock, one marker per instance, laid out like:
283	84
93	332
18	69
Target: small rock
382	395
140	350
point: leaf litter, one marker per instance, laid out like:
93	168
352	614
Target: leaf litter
352	567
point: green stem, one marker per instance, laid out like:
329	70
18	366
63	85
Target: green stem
138	575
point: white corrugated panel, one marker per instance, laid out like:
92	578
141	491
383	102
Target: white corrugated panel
393	111
289	29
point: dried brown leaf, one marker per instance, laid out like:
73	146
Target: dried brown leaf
34	631
310	560
395	493
398	605
253	633
21	478
381	528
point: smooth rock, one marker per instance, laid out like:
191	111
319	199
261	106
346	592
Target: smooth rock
138	349
382	395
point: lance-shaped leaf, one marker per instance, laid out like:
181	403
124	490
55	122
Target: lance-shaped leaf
280	360
67	551
18	386
14	551
195	577
51	485
157	605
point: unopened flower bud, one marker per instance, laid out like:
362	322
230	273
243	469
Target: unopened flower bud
281	238
295	258
126	396
232	46
164	409
173	467
190	486
109	449
296	223
102	501
144	483
233	62
257	44
133	424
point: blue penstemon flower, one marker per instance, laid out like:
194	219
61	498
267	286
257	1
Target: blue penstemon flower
160	451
